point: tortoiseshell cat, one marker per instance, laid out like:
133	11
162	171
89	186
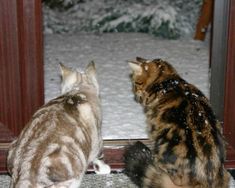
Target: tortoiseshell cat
188	146
62	138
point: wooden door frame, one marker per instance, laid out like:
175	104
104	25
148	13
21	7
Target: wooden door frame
23	40
222	88
229	101
21	72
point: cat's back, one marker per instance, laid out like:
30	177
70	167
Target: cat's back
57	139
188	147
187	133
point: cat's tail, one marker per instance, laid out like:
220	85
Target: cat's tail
137	157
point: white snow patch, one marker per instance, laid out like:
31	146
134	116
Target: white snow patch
122	116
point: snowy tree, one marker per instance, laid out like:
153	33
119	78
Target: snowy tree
164	18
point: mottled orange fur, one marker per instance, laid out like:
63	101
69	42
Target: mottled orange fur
189	149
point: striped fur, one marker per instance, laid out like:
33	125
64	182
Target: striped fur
189	149
62	138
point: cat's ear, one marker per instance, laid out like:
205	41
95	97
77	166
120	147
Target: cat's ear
91	74
91	70
65	71
68	78
140	59
135	67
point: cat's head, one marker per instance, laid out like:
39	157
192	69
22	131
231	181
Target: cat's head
146	72
74	79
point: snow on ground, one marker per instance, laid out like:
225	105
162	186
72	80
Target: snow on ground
122	117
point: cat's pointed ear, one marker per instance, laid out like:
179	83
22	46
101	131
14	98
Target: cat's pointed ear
140	59
65	71
91	70
91	73
135	67
68	78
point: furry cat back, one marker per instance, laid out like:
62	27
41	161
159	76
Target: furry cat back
63	136
189	149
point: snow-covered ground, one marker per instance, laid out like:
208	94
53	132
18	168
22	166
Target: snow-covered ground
122	117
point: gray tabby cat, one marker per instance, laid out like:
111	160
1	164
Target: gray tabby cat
62	138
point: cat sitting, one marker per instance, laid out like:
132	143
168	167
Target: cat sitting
188	146
62	138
